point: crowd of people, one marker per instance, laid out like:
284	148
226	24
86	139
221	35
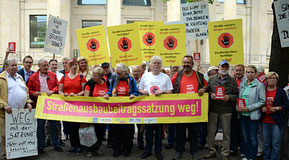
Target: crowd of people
256	129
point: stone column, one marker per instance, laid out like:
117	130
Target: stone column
174	10
230	7
113	12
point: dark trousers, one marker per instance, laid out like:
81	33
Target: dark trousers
122	135
99	131
236	133
202	134
140	134
171	134
151	130
73	131
181	137
109	135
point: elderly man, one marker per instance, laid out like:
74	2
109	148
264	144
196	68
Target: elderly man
154	83
44	81
26	72
13	94
221	108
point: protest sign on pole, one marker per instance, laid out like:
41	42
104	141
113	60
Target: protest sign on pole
55	35
20	129
171	43
196	17
282	17
12	47
124	44
226	42
147	38
92	44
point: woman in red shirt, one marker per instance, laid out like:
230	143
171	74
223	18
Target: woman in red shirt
72	84
96	87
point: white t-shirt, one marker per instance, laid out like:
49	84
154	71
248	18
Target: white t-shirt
152	83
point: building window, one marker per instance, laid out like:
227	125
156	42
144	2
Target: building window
37	31
238	1
91	2
136	2
90	23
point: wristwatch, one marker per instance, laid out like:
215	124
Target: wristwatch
277	108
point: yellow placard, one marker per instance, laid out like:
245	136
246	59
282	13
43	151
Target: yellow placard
147	37
226	42
166	108
171	43
92	44
124	44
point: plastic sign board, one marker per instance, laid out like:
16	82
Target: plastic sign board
220	92
197	57
241	103
92	44
262	77
226	42
196	17
12	47
282	17
55	35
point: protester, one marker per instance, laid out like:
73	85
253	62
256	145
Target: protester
221	109
188	81
123	85
44	81
154	83
96	87
26	71
285	137
83	67
253	92
53	63
273	117
72	84
136	74
13	94
65	65
143	68
212	70
175	69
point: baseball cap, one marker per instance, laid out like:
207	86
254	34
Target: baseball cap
105	64
223	62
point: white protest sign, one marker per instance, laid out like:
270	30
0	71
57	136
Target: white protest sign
20	129
282	17
196	17
55	35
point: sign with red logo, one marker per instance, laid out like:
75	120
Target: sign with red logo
153	89
124	44
92	45
148	39
225	40
197	57
262	77
241	103
220	92
170	43
12	47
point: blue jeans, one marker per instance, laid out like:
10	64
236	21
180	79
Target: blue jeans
202	135
150	129
250	140
171	134
272	136
41	133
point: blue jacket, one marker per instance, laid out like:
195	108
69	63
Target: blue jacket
132	83
256	99
280	100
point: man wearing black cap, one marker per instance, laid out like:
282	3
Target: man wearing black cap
221	103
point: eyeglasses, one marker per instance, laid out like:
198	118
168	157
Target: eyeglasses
119	73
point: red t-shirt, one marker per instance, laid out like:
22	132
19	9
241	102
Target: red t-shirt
72	85
99	90
188	84
122	88
270	96
238	82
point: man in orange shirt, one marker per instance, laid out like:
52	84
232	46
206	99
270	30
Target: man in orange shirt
188	81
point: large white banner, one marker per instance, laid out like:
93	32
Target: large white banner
55	35
21	140
196	17
282	17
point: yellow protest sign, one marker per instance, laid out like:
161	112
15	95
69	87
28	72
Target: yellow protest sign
226	42
147	38
171	43
124	44
166	108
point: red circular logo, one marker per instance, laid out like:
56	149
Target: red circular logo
124	44
225	40
170	43
148	39
153	89
92	45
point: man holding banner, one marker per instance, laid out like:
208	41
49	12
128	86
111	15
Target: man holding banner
188	81
13	94
154	83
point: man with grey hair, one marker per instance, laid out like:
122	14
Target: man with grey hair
44	81
13	94
154	83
